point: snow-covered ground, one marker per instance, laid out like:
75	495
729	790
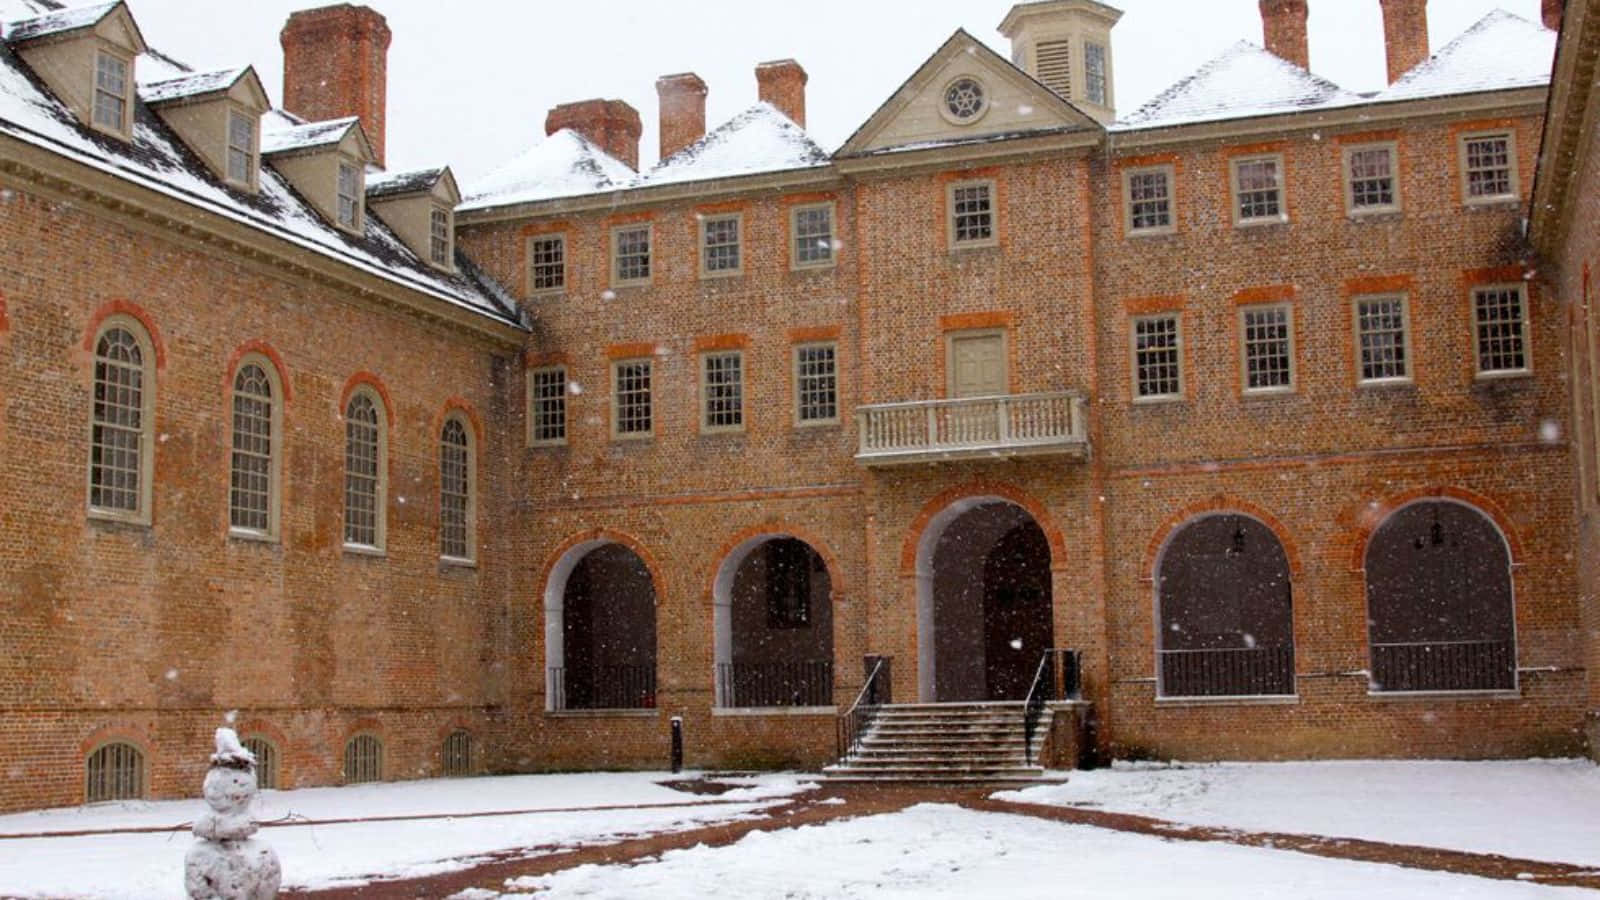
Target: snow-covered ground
1531	809
934	851
151	865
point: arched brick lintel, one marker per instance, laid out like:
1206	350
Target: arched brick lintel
371	380
264	349
458	404
606	536
981	488
774	528
1379	511
133	311
1220	503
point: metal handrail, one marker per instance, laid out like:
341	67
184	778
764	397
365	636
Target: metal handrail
1055	679
853	722
1033	708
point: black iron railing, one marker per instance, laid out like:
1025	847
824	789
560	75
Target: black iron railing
808	683
1238	672
875	693
603	687
1058	677
1444	666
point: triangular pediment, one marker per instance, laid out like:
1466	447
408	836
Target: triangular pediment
922	114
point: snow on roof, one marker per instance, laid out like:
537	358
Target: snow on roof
17	10
278	136
392	184
189	85
565	164
57	21
760	139
156	160
1502	51
1244	81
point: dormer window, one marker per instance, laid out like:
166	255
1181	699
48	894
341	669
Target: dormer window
439	237
111	84
349	196
241	147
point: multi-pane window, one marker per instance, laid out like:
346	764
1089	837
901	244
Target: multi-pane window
363	472
1157	358
241	147
1499	316
119	441
1258	189
1094	73
111	92
266	761
1267	345
631	412
1149	199
816	384
722	391
1381	339
114	772
972	213
547	405
1488	164
251	472
719	245
458	753
455	490
363	760
349	196
630	255
1370	178
547	263
813	235
439	249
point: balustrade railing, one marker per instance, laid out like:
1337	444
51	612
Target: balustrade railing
1444	666
1234	672
1018	423
807	683
602	687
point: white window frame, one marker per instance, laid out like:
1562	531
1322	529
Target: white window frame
1243	314
1169	171
1234	194
1524	332
381	486
800	377
441	240
469	497
616	399
274	448
1406	344
617	280
246	153
141	515
1347	157
534	401
123	127
796	239
559	270
1090	75
739	388
1134	351
1513	180
951	216
356	182
707	223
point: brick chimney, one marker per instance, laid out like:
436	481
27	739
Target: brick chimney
611	125
1283	24
336	64
783	84
683	111
1405	35
1552	10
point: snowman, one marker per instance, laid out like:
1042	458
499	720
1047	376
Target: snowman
226	863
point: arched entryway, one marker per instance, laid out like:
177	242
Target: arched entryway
983	602
600	629
773	617
1439	601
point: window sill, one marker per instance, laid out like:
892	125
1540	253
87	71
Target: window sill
546	445
1136	233
1242	700
643	437
1498	201
1260	223
963	247
735	712
1267	393
1374	214
1445	695
814	268
629	285
249	536
817	424
1379	384
1502	375
729	431
601	713
364	550
547	293
457	562
721	276
1158	400
115	517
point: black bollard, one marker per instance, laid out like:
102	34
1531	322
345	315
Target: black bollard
677	744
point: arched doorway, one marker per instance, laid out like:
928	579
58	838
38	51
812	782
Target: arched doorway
600	630
1224	611
1439	601
983	602
773	616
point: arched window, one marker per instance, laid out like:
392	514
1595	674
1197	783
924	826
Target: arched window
114	772
266	755
121	448
253	471
363	759
365	450
1439	601
1225	617
458	753
456	494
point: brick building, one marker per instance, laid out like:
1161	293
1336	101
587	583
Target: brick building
1254	396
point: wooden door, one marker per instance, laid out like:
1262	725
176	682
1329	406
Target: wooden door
977	364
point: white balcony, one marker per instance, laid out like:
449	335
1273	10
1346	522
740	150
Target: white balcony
973	428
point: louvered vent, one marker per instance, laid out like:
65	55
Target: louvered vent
1054	66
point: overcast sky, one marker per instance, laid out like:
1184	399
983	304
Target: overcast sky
470	81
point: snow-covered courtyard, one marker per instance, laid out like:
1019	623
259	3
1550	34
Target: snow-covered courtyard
331	837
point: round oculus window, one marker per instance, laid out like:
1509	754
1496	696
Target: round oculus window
964	100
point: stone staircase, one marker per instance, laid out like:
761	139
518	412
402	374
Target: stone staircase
944	743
